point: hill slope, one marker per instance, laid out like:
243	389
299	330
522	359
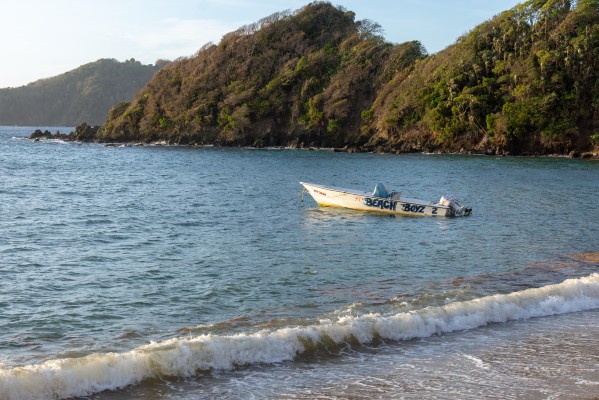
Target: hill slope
84	94
300	78
523	82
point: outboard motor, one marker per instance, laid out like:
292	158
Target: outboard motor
455	208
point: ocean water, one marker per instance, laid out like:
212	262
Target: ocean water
182	273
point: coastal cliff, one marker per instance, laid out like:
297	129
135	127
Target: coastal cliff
524	82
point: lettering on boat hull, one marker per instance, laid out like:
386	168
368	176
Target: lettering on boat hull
380	203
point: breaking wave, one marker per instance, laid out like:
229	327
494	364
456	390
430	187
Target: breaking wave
63	378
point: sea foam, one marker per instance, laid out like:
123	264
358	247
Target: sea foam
63	378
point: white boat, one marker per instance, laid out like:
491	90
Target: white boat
384	201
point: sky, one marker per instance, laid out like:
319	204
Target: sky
45	38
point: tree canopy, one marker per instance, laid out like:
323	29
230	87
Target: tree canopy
522	82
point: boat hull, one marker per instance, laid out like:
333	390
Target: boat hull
346	198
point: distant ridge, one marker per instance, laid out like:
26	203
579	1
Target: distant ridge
84	94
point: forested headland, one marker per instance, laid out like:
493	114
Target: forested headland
524	82
84	94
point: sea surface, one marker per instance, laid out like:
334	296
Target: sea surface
162	272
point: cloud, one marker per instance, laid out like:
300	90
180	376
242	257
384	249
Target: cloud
175	37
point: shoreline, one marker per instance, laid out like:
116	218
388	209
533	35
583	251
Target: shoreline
38	135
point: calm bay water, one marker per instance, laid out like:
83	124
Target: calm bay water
173	272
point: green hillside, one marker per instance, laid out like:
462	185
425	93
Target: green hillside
84	94
524	82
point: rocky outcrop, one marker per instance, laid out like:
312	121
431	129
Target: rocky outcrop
38	135
83	133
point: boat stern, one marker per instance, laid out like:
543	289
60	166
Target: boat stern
455	208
